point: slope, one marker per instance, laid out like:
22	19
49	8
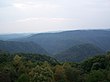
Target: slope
79	52
24	47
57	42
14	36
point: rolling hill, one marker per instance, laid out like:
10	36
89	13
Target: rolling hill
59	43
14	36
79	53
54	43
23	47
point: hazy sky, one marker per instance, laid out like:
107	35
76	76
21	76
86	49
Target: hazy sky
53	15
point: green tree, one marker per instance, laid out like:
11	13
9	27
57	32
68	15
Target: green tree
41	74
17	60
96	76
73	74
60	74
23	78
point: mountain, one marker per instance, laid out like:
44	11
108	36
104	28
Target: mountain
23	47
54	43
13	36
79	53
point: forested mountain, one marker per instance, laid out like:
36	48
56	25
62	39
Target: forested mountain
24	47
57	42
79	53
20	63
13	36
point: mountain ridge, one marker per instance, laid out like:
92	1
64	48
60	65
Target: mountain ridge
54	43
25	47
79	53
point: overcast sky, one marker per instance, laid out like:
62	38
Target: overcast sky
17	16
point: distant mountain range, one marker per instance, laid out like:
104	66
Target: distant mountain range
21	47
60	43
14	36
54	43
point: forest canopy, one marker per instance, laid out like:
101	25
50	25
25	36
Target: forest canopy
41	68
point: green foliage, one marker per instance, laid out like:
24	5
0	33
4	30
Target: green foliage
59	74
95	63
96	76
40	68
23	78
41	73
73	74
17	60
4	57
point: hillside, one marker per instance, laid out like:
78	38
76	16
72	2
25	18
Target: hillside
41	68
57	42
24	47
7	57
79	53
13	36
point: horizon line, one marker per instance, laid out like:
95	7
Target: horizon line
57	31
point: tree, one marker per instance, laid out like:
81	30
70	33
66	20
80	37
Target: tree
59	74
19	65
73	74
17	60
96	66
66	65
4	57
23	78
96	76
41	74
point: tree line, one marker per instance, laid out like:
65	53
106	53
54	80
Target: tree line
21	67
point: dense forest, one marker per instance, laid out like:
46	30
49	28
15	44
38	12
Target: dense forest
22	67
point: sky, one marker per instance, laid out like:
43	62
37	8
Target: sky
27	16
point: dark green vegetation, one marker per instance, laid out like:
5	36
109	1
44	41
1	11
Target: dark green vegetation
24	47
40	68
79	53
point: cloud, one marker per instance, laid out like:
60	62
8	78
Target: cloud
47	19
30	6
34	4
38	25
38	15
